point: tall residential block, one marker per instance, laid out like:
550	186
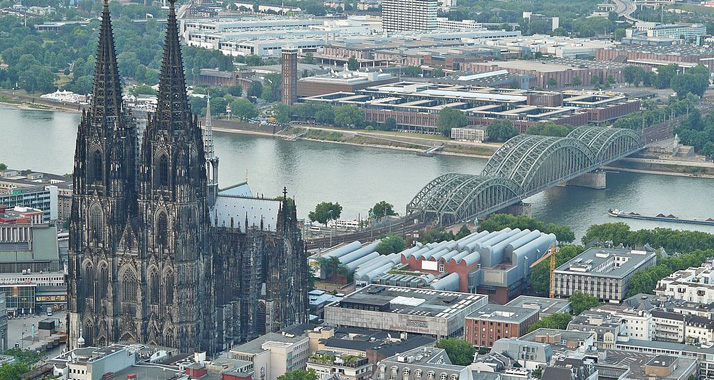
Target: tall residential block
408	15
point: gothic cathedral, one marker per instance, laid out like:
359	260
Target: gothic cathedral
158	254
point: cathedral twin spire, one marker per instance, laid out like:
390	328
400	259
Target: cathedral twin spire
106	93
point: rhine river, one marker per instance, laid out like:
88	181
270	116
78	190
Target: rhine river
358	177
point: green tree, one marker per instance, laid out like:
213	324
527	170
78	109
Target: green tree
619	34
577	82
549	129
349	116
299	374
460	352
501	130
235	90
3	166
552	82
450	118
391	243
595	81
382	209
272	85
581	302
694	81
325	211
557	321
412	71
242	108
309	58
81	85
462	233
390	124
255	89
352	64
438	73
431	235
281	112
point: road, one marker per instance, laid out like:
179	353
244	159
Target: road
625	8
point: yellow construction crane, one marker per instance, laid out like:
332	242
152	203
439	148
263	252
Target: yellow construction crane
551	255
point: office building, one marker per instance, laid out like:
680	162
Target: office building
47	192
274	354
438	314
603	273
493	322
409	15
289	76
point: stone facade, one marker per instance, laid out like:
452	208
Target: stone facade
146	264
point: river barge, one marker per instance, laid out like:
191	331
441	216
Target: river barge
660	217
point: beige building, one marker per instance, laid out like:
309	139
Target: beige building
274	354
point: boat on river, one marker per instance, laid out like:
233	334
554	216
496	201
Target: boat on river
615	213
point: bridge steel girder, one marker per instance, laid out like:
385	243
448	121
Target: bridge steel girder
454	197
525	165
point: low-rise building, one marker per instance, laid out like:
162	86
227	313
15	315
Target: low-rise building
606	327
698	330
639	323
529	355
600	272
274	354
328	364
48	192
668	326
545	306
493	322
424	311
421	363
691	284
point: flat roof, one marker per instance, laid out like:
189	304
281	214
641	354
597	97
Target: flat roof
255	346
412	301
604	262
546	306
503	313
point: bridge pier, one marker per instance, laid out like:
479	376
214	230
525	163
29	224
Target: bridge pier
517	209
594	180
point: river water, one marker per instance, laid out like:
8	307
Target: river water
358	177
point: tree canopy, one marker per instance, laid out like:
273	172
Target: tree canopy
325	211
382	209
460	352
299	374
450	118
391	243
554	321
581	302
501	130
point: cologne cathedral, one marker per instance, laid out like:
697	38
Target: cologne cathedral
158	254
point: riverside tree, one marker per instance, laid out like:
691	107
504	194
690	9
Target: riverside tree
450	118
325	211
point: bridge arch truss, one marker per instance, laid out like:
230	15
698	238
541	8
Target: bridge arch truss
525	165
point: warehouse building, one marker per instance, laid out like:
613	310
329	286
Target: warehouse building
439	314
603	273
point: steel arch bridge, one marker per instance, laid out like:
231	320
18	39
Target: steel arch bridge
525	165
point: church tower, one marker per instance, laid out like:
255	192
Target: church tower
175	291
104	199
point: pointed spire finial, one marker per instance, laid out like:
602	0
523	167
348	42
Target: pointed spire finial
285	193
